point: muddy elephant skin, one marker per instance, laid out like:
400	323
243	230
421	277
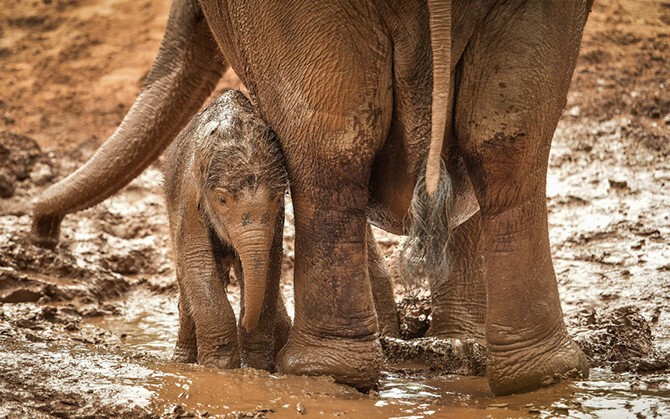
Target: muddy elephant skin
348	89
225	181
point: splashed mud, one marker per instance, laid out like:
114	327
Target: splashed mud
86	330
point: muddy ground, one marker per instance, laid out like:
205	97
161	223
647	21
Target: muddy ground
87	330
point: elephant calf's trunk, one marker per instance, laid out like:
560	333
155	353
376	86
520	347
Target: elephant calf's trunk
255	260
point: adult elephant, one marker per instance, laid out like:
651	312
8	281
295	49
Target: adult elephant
347	88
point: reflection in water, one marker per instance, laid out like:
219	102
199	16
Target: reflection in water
150	325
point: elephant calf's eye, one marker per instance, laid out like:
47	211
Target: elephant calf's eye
222	199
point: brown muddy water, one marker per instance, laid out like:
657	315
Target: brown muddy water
119	365
87	330
402	392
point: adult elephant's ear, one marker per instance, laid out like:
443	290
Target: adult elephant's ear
440	39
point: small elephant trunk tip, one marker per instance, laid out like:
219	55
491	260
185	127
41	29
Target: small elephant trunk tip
250	323
253	303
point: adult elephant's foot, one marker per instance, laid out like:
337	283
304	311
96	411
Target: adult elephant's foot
352	362
527	366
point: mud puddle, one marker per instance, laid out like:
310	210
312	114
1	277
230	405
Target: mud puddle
148	325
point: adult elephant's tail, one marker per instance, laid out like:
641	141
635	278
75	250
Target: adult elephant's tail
440	41
181	78
424	253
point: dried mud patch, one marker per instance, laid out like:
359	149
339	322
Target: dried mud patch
620	339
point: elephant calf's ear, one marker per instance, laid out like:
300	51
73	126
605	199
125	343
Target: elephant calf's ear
440	42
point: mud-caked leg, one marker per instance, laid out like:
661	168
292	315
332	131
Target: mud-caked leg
186	349
335	329
203	295
515	75
459	300
382	289
332	117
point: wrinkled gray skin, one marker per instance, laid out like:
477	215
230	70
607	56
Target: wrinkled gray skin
347	87
225	181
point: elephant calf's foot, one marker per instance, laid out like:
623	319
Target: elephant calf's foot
260	358
352	362
525	368
225	356
185	354
259	352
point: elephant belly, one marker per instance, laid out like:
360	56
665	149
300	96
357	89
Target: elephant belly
392	187
396	167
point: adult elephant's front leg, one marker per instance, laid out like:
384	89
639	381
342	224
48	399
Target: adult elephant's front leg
515	75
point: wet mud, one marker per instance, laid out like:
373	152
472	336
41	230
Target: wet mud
87	329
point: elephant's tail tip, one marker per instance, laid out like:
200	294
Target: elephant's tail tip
423	254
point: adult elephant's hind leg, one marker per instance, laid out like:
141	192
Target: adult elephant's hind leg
335	329
516	72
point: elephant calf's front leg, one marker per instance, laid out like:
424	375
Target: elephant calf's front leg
260	347
205	312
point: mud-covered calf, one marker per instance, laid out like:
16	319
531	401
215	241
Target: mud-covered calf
225	181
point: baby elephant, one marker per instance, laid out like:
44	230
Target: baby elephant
225	181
